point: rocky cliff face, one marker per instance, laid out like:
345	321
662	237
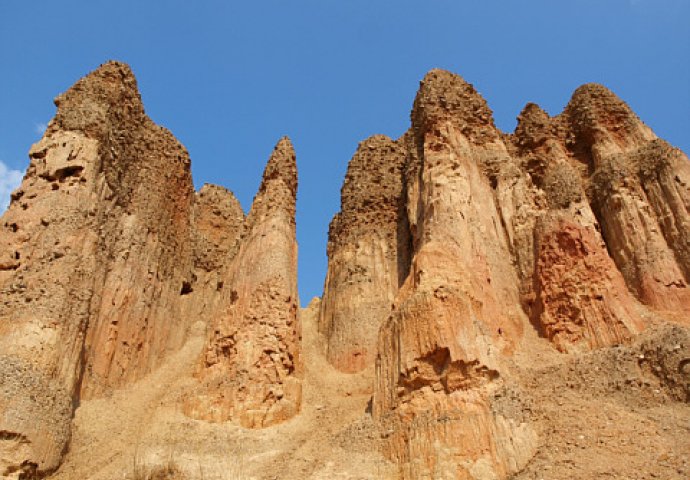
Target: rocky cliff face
90	234
251	367
494	302
458	314
367	249
102	246
573	227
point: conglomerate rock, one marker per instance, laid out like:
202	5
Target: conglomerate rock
366	254
95	249
576	226
251	366
108	257
460	255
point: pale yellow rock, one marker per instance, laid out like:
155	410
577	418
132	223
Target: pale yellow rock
251	369
367	251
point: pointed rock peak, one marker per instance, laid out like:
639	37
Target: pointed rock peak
445	96
374	174
278	190
375	146
533	125
594	106
595	96
443	79
212	190
374	141
371	195
221	197
284	150
591	93
106	95
282	165
108	82
532	112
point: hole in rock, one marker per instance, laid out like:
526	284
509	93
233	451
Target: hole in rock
186	288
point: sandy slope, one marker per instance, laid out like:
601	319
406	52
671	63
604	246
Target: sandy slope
613	413
610	414
333	436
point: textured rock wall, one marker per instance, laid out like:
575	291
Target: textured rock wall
573	225
144	233
45	278
458	313
251	368
367	251
218	224
575	294
108	257
92	244
455	244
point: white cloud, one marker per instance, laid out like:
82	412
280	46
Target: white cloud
40	128
9	180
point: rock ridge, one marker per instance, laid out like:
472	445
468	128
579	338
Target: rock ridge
109	257
486	291
573	227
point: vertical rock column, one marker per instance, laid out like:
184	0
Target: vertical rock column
94	249
251	368
458	313
145	250
580	298
641	195
367	249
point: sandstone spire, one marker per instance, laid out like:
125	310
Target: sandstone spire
458	312
96	238
251	367
506	236
639	184
278	191
447	97
367	249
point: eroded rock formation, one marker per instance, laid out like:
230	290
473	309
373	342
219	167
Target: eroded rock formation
458	314
97	248
460	256
101	249
574	226
367	249
251	367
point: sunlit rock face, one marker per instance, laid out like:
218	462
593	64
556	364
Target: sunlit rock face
367	253
109	257
101	216
251	368
461	255
574	226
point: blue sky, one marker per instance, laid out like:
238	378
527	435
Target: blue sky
230	78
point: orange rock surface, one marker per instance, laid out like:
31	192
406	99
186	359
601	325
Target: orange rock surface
574	227
496	305
367	254
108	259
251	366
